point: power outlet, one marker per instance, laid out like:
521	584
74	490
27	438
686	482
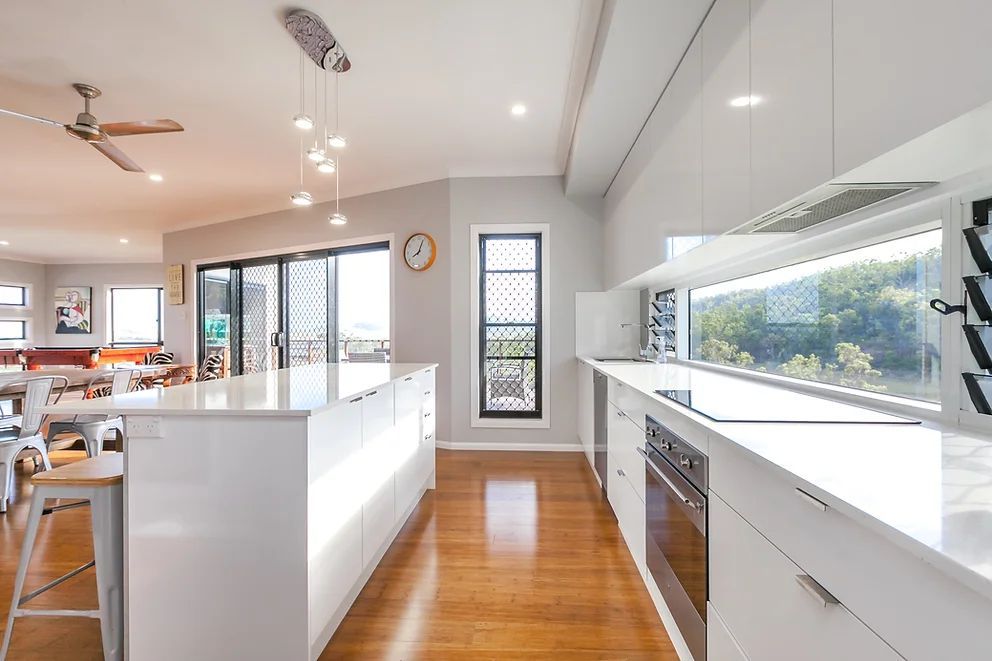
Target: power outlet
144	427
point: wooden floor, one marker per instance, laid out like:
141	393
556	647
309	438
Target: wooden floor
515	556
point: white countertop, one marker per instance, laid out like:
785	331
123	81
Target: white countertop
302	391
926	488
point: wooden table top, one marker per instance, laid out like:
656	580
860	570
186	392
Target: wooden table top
78	378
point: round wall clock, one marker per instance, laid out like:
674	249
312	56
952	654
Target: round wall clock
420	251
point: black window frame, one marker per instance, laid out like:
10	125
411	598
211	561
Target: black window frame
538	324
24	330
24	297
161	331
281	260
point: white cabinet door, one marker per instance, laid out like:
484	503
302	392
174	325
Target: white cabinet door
726	117
334	516
629	509
408	458
586	412
792	119
378	513
761	597
720	643
904	67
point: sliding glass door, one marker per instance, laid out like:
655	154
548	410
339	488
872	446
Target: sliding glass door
281	311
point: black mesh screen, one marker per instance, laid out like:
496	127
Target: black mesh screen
510	320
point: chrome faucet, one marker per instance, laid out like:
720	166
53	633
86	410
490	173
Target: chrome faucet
642	351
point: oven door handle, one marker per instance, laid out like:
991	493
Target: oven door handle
650	464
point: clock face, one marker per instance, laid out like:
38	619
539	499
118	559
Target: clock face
420	252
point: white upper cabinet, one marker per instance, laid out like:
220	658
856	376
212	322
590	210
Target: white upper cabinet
904	67
792	103
654	209
726	134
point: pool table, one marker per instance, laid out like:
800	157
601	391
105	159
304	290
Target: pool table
86	357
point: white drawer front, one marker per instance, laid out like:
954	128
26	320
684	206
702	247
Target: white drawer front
720	643
902	598
767	610
629	509
623	439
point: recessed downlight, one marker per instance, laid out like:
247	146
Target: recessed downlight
518	110
156	177
4	243
745	101
124	240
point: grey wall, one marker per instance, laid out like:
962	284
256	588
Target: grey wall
576	265
421	301
100	277
431	315
33	276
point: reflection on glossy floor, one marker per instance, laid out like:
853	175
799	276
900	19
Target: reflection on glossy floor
64	542
515	556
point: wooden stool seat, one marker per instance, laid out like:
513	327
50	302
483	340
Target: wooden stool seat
101	471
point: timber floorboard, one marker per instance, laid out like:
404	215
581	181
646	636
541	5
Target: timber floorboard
514	556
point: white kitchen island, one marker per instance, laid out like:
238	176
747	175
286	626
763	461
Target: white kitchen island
257	507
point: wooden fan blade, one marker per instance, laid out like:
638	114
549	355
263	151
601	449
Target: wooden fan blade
142	127
108	149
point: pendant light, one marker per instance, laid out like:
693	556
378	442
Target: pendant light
335	140
302	120
325	165
301	198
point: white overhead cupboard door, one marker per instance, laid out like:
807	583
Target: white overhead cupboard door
726	130
904	67
773	608
792	104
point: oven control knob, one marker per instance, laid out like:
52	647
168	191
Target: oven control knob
666	445
685	461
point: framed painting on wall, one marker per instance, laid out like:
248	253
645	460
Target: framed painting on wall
73	310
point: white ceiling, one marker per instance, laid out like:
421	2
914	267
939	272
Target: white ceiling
428	97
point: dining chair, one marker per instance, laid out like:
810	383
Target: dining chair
13	441
93	428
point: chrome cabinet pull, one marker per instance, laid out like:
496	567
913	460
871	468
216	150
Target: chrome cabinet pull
374	392
620	472
353	401
817	591
409	378
811	500
427	415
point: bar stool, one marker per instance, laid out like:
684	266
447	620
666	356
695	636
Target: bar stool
99	480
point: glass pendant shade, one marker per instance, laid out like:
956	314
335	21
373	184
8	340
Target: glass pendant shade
338	219
301	199
336	141
326	166
302	121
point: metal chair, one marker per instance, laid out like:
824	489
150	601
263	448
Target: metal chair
13	441
100	482
93	428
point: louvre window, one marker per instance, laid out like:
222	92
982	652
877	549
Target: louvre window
510	326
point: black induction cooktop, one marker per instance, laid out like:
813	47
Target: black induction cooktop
763	404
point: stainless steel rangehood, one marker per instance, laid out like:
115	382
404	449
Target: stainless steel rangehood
825	203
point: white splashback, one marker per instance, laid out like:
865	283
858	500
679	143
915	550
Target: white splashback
598	316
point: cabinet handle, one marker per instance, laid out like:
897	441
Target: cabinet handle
428	437
815	502
374	392
620	472
354	401
427	415
816	590
619	414
409	378
427	392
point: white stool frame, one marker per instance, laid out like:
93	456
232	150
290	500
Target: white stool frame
107	512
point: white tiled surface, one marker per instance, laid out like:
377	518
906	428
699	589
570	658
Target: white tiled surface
924	487
300	390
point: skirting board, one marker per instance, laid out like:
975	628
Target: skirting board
509	447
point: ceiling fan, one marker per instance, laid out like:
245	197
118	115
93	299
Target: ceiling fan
98	135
